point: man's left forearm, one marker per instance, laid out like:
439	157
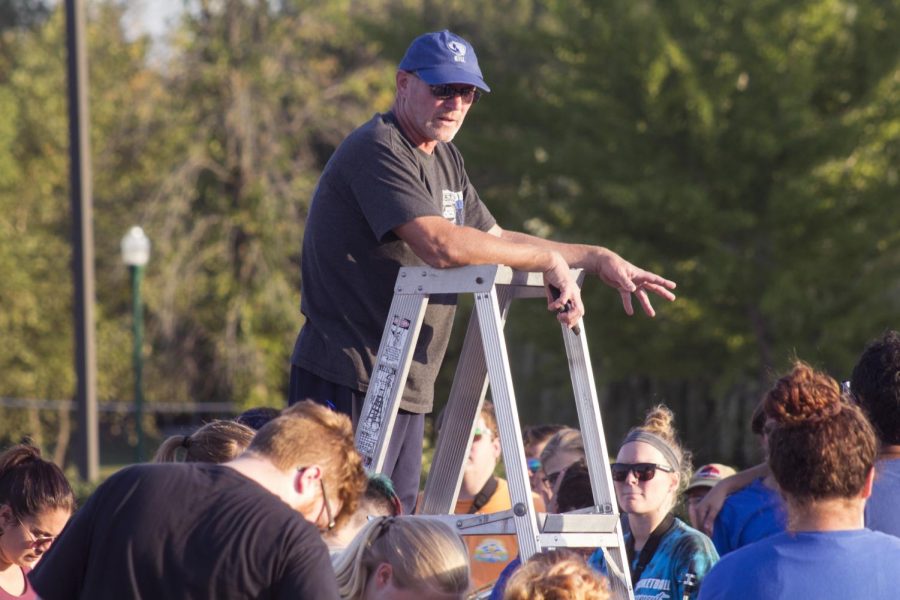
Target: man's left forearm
578	256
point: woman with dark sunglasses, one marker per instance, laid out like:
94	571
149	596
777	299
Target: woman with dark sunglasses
665	555
36	501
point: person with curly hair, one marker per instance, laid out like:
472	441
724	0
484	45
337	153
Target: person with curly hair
36	501
556	575
667	557
875	386
822	452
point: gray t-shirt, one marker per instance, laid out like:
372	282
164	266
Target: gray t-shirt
376	181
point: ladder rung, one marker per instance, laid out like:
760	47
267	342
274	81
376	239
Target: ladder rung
574	523
578	540
501	523
473	279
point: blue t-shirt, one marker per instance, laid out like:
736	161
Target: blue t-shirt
749	515
881	508
844	565
500	585
682	550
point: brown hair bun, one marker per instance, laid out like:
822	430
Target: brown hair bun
803	396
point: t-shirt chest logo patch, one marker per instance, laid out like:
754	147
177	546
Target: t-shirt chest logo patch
491	550
452	207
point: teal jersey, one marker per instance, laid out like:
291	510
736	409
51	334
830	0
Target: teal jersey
681	551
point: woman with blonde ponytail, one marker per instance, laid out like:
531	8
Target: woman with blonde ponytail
667	558
397	558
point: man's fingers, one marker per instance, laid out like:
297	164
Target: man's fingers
659	291
626	302
647	278
567	304
645	302
708	526
557	299
707	519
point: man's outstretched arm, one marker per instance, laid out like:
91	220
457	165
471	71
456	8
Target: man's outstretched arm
442	245
612	269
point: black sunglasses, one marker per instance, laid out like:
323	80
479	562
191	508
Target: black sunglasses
643	471
445	91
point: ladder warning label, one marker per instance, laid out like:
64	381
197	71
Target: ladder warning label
397	340
383	382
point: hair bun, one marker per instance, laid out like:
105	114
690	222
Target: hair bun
660	420
19	454
803	396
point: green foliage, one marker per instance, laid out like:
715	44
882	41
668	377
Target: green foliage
748	151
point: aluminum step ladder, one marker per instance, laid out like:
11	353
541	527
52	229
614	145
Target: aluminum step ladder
484	358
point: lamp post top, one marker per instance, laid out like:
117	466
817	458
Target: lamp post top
135	247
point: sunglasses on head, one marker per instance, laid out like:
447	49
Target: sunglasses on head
642	471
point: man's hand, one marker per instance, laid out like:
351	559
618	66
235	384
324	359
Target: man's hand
710	506
712	503
618	273
567	305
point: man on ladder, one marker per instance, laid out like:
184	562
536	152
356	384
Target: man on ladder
395	193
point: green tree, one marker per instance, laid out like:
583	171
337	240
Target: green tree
747	151
731	146
261	94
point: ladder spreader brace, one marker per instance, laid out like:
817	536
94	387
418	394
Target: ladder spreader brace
484	357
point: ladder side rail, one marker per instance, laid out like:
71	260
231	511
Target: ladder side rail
460	415
596	452
497	358
388	379
455	437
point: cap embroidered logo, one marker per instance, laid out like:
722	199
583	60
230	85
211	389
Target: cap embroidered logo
458	49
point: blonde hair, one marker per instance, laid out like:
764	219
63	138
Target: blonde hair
660	422
310	434
424	555
556	575
564	440
216	442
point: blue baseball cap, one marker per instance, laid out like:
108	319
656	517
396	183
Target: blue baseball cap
443	57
